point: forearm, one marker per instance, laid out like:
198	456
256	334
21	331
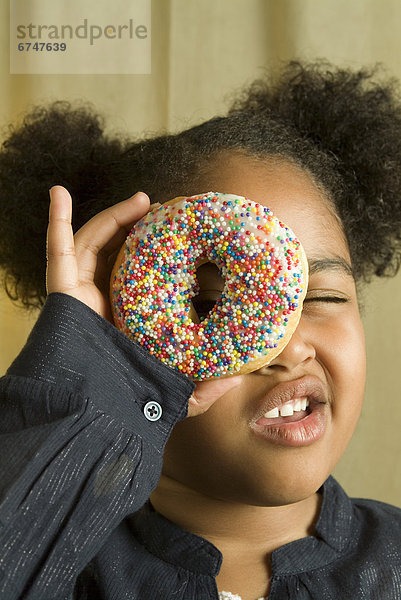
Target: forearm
78	452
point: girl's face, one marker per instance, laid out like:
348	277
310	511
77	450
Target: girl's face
218	453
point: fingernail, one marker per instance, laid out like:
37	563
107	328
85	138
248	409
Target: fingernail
51	190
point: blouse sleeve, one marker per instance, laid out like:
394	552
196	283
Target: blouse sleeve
85	415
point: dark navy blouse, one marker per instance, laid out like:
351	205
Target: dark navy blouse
79	458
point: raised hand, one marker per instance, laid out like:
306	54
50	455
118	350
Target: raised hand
80	265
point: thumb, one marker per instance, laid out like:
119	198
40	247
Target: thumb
207	392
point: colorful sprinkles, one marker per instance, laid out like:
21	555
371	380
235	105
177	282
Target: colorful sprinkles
257	256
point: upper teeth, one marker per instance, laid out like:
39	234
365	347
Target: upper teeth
288	409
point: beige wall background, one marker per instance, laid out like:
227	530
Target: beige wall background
201	52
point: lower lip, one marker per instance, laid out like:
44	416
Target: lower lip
308	430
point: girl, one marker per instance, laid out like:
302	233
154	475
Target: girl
101	501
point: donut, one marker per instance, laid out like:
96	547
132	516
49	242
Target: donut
154	283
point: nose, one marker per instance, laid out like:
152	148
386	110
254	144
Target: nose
298	351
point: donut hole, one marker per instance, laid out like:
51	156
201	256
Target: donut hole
211	286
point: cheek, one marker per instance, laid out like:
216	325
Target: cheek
209	452
343	356
196	453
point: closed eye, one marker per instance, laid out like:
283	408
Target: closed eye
333	299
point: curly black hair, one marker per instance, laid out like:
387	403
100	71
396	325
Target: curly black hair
341	126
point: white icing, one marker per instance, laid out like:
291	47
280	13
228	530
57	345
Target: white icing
250	323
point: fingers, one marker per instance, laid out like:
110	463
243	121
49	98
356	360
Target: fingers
72	260
106	232
62	269
207	392
102	231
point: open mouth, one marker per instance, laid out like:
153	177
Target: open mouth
293	413
290	412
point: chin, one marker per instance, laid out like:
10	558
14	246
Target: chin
257	475
278	492
284	493
261	487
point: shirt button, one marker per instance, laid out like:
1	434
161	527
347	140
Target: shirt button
152	411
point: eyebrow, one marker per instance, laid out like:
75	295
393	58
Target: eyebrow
316	265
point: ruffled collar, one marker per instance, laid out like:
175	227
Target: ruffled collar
176	546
